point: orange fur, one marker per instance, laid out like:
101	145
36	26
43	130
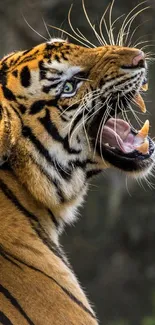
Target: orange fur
39	187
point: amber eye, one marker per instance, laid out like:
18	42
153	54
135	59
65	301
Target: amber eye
69	87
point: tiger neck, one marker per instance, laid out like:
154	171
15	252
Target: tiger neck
18	203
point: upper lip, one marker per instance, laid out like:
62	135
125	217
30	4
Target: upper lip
140	64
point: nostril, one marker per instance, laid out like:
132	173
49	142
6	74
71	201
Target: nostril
139	60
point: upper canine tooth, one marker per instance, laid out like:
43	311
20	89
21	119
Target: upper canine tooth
144	147
144	130
140	102
144	87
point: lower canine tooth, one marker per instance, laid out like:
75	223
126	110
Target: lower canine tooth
140	102
144	148
144	87
144	130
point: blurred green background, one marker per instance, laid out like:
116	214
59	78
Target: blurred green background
112	247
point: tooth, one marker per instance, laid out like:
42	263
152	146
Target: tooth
144	130
144	148
144	87
140	102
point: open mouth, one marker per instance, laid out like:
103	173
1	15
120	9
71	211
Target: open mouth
123	146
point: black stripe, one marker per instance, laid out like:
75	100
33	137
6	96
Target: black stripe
3	77
3	74
8	57
93	172
46	89
76	121
55	221
25	59
53	79
82	75
28	59
57	58
58	189
64	117
27	133
66	291
22	97
15	73
50	47
66	173
70	108
38	105
22	108
121	82
8	94
47	56
52	131
15	303
25	77
2	253
27	51
50	127
43	70
17	113
55	182
4	319
33	221
63	56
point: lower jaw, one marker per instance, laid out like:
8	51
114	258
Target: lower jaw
135	161
130	162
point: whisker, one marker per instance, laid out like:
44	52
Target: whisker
142	42
114	23
126	22
34	29
100	25
89	22
78	126
70	35
134	32
148	45
129	23
104	117
84	38
74	31
111	35
101	131
47	30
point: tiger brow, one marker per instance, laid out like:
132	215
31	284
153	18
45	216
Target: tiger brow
83	75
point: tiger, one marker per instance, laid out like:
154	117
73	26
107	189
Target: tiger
60	125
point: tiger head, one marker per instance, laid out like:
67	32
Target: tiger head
61	102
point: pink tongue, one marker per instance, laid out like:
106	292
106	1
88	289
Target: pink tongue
117	134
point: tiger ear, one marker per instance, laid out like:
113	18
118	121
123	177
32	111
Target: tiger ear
8	131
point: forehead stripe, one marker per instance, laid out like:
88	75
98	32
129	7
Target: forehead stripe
25	77
8	94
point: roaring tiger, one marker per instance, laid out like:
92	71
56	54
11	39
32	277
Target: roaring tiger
59	126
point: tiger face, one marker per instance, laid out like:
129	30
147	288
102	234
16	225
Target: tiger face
67	98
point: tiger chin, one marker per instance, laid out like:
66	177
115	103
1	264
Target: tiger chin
60	124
